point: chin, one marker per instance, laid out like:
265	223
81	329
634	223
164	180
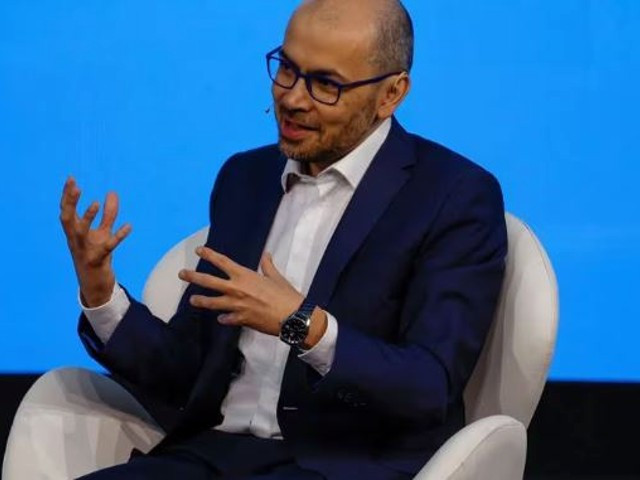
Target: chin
309	154
295	152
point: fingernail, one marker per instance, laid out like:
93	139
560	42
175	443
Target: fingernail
222	318
199	250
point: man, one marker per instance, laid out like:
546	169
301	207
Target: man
345	290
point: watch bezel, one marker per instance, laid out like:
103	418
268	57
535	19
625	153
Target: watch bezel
295	328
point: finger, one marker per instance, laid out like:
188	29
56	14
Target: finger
69	185
222	302
231	319
110	211
89	216
219	260
205	280
117	238
68	205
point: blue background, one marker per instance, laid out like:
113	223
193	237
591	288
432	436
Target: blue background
149	97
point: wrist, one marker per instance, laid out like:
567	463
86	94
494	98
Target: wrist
317	328
96	295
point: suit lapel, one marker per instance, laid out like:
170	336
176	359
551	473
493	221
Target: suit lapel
243	242
385	176
268	195
260	196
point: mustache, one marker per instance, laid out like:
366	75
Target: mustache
296	116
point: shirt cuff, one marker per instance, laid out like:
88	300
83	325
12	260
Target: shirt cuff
320	357
105	318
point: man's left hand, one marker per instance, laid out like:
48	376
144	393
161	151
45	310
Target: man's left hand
249	299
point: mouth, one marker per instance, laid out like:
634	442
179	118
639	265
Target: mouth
295	131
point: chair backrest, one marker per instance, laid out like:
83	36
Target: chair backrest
163	289
513	366
514	363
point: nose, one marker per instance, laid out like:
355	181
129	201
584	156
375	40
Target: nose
297	97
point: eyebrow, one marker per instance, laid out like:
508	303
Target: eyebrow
326	72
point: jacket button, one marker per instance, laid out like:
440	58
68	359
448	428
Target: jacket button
349	398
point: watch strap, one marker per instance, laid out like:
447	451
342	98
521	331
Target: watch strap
306	308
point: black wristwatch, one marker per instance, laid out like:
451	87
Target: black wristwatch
295	328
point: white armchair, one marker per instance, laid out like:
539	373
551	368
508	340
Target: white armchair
506	385
73	421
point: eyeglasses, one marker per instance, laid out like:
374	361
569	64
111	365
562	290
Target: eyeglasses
284	73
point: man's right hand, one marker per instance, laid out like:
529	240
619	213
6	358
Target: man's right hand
91	249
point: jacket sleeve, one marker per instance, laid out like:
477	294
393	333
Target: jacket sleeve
161	359
444	318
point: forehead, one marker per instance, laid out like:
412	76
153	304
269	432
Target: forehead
315	43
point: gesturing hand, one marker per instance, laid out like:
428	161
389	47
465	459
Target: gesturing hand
252	300
91	249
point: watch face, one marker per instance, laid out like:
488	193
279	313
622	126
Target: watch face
294	330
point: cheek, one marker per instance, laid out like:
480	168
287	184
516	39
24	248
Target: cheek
277	93
336	122
331	120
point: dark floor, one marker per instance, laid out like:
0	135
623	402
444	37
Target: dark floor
582	477
581	431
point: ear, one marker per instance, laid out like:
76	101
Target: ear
393	92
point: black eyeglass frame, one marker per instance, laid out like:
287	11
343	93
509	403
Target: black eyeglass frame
310	76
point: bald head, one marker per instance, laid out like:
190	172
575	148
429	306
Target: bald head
386	22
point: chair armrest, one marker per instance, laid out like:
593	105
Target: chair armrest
73	421
492	448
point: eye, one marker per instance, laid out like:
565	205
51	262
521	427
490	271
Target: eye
285	64
324	82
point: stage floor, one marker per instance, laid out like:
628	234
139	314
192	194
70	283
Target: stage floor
581	431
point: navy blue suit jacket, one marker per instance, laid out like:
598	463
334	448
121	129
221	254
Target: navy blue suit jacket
412	274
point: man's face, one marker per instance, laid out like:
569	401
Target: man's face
310	131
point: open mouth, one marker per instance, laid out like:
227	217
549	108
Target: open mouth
291	130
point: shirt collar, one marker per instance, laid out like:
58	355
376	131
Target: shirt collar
352	166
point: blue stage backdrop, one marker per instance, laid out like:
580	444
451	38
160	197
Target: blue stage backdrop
148	98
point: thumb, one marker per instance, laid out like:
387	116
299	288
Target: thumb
268	268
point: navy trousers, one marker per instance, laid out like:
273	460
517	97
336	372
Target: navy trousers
212	455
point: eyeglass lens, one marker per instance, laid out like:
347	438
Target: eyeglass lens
284	74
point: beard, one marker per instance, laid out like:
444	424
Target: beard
327	147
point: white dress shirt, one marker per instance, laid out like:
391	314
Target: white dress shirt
307	217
